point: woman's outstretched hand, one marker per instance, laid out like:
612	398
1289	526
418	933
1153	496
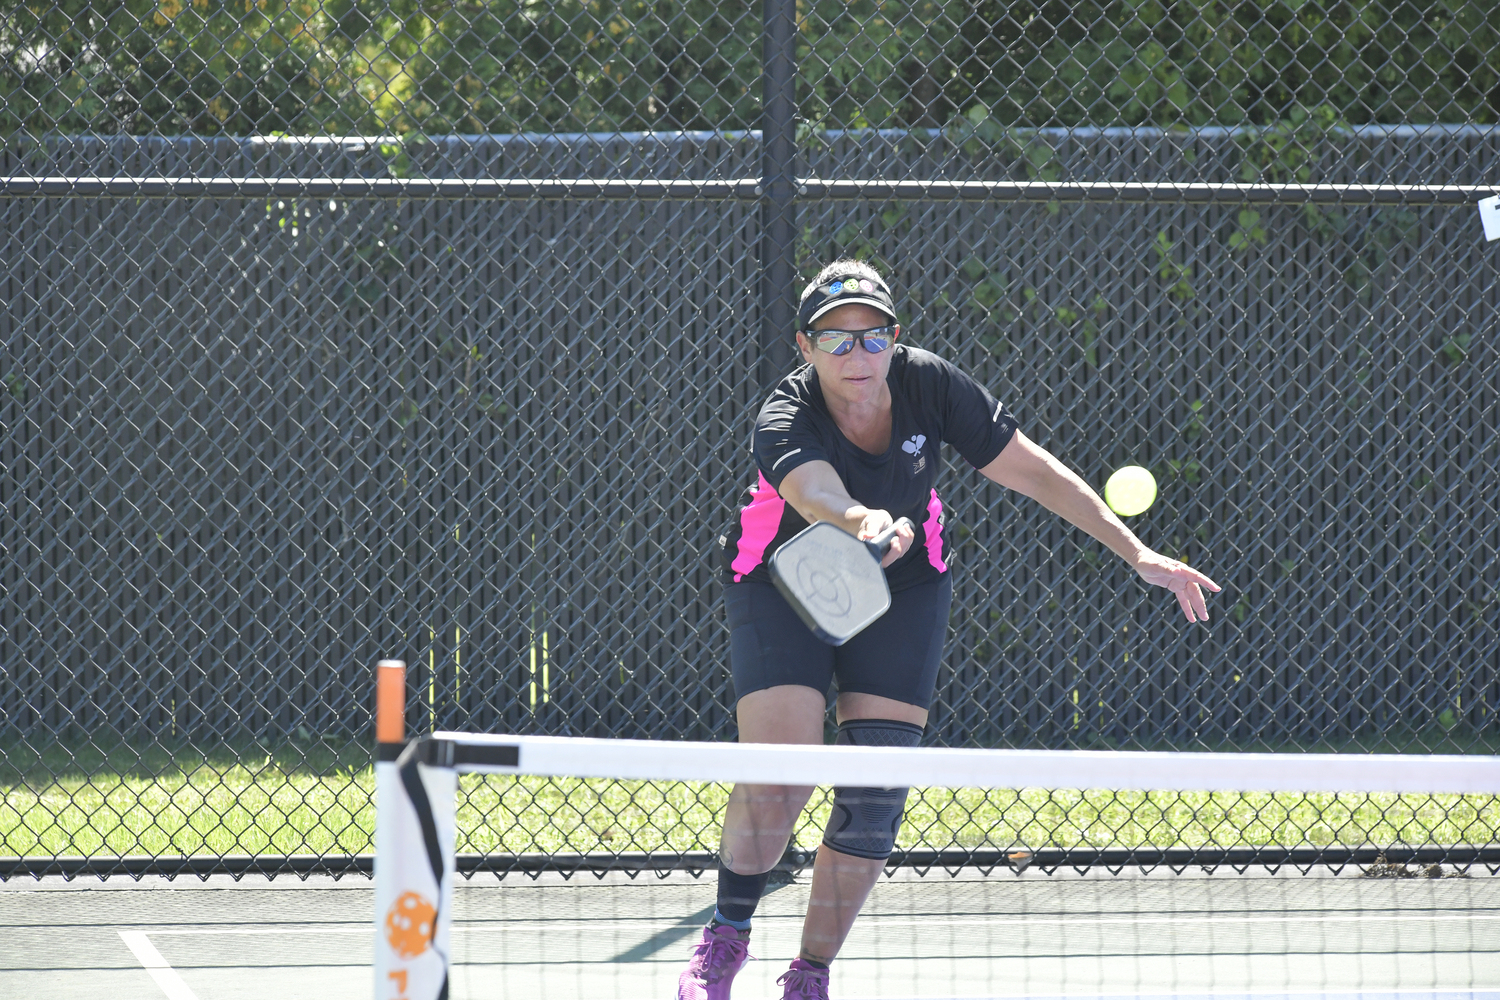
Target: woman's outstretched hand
877	521
1181	579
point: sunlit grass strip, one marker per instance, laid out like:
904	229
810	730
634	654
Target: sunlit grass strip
275	807
515	815
236	810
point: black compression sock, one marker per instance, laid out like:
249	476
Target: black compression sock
816	965
740	894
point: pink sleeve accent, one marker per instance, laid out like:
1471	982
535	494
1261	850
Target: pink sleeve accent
932	529
759	522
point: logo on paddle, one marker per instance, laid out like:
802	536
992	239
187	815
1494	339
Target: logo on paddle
821	578
408	925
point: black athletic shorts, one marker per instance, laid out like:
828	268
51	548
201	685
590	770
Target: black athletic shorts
897	656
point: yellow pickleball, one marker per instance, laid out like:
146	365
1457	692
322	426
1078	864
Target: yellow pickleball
1130	490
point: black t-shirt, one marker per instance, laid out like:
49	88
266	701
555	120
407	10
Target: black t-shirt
931	401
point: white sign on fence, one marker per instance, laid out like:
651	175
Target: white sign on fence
1489	215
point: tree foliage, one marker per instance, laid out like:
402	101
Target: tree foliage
243	67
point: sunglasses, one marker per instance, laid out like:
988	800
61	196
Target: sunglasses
842	341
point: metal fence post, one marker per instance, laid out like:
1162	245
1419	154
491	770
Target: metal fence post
778	188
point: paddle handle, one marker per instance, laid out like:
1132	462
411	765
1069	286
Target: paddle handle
881	543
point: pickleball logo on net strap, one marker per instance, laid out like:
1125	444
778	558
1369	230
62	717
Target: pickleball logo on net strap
408	925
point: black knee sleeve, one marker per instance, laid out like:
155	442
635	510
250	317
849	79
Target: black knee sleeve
864	821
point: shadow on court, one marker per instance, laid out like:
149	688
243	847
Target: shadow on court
1064	935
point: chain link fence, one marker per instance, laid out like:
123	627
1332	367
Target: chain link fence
347	330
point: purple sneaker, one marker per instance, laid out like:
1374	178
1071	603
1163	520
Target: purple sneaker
804	982
716	959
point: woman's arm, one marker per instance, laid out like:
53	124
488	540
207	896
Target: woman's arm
1028	468
816	492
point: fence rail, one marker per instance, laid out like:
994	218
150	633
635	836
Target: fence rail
524	188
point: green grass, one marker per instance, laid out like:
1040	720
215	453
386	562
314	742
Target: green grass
160	799
317	798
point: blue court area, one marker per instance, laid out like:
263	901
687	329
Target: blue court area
1224	935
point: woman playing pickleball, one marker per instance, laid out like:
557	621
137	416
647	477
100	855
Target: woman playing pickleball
852	437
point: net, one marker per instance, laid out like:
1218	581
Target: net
1414	916
971	934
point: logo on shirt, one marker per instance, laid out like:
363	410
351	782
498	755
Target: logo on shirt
913	446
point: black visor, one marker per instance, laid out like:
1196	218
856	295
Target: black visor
831	294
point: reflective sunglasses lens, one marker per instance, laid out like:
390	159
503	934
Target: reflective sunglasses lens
876	344
836	342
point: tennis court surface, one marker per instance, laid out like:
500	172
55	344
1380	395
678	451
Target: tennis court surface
1067	934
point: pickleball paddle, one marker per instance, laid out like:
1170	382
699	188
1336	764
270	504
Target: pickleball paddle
833	580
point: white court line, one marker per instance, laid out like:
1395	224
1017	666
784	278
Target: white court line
1453	994
284	929
1102	921
522	926
166	977
1459	993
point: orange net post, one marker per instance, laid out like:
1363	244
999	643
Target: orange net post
390	701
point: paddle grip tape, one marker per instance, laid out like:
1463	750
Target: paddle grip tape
864	821
416	791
